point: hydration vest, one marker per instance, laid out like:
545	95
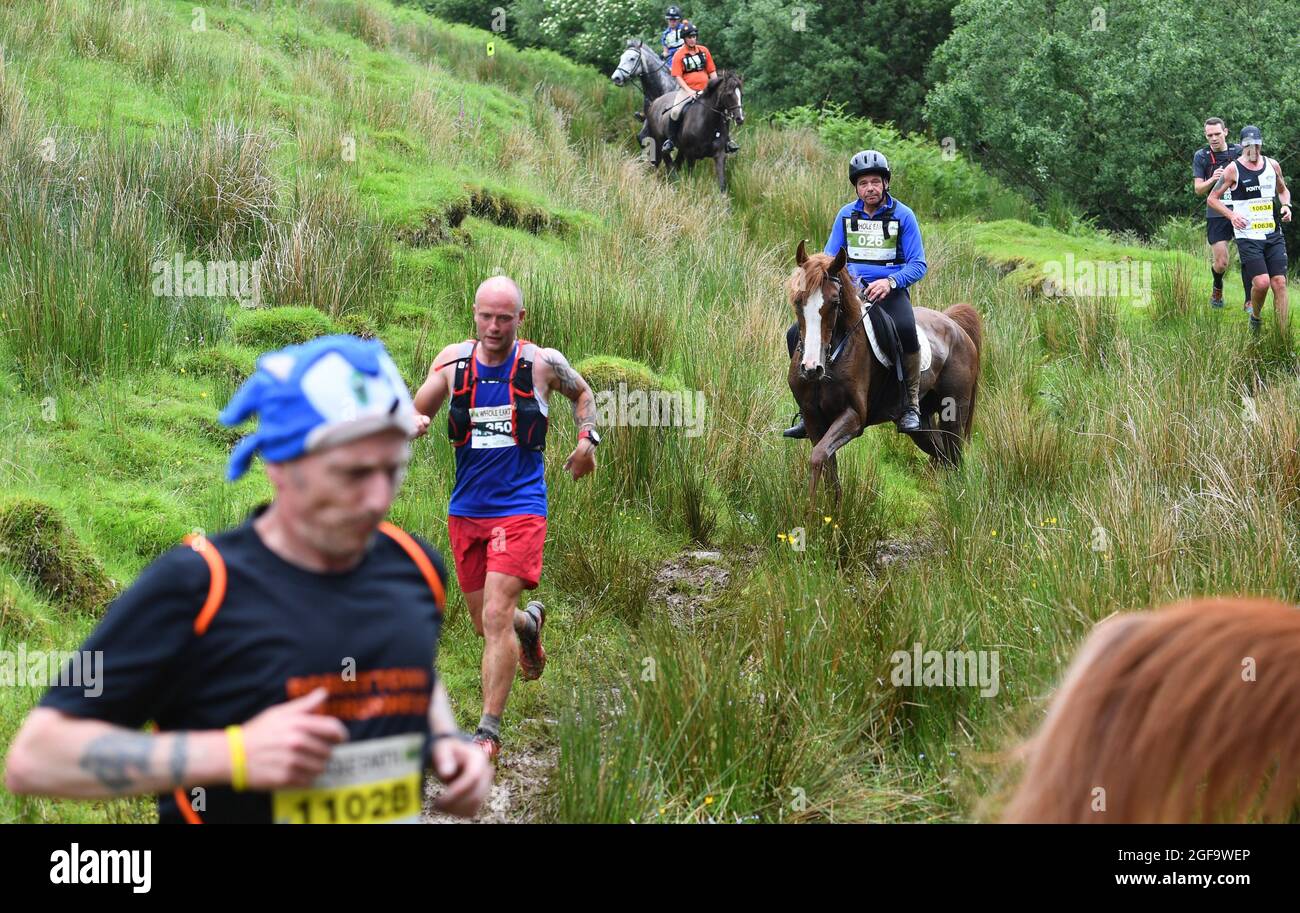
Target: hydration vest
1221	160
672	37
873	239
527	421
693	63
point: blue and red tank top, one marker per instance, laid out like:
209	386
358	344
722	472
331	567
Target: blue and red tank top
495	476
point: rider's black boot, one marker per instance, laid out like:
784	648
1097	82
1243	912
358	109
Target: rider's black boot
674	133
798	430
910	421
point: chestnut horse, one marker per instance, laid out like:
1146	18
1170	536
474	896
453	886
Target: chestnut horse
841	387
1183	715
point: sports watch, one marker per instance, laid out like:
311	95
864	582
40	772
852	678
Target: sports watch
590	434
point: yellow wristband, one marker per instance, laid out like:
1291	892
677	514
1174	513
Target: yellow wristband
238	760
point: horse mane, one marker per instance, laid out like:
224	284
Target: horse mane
726	79
807	277
1158	709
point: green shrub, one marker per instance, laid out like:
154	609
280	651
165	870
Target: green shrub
606	372
275	328
37	543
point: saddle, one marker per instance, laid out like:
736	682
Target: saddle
888	349
880	325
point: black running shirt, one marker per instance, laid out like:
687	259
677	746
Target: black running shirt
368	635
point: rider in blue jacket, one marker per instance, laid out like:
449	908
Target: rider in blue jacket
886	257
672	36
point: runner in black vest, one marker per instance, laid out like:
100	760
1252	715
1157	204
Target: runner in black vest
288	664
1207	167
1260	200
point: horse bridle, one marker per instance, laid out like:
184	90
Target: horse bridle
833	349
729	115
640	66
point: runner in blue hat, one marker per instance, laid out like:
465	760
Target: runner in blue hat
288	665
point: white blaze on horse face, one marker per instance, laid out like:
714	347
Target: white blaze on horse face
812	330
740	111
626	65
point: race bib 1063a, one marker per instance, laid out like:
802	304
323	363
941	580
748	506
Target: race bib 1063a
868	241
372	782
1260	214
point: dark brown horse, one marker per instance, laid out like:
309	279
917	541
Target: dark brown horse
706	124
842	388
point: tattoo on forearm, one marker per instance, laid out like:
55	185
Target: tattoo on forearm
584	410
180	756
111	757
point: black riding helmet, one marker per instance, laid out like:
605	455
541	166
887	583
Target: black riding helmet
868	161
690	31
673	12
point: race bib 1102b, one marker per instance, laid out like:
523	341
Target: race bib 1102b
372	782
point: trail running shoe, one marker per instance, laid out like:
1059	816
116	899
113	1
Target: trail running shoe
490	744
532	656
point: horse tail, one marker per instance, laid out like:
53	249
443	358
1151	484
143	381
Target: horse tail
968	319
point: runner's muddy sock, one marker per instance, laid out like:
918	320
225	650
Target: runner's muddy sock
1218	281
491	725
525	624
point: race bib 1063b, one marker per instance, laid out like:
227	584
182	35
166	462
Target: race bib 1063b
868	241
372	782
1260	214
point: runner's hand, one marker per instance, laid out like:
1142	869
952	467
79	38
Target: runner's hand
1240	221
1218	173
422	423
1286	212
582	460
289	744
465	770
878	290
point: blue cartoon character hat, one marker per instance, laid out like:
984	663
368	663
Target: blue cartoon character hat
316	395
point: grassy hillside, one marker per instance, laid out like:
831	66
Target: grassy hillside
378	164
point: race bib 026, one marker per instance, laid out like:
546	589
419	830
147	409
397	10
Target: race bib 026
868	241
372	782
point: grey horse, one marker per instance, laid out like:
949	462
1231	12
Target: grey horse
641	60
